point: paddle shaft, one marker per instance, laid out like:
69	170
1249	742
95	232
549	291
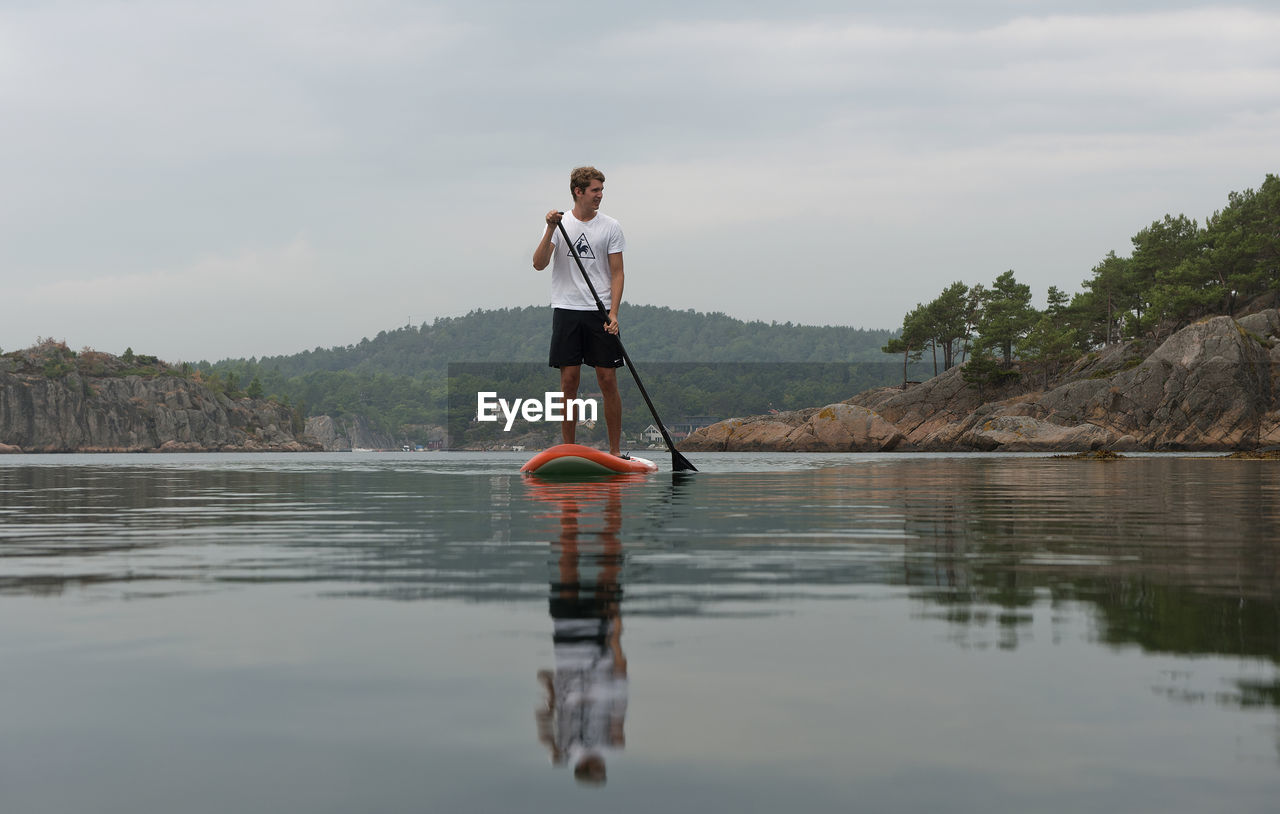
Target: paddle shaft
678	462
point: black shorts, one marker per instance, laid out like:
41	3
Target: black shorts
579	337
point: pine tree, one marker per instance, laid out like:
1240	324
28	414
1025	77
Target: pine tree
1007	315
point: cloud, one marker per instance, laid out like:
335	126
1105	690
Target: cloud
244	300
1005	72
909	138
399	155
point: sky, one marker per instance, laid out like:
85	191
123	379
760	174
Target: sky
200	180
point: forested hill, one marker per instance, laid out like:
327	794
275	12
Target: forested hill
397	381
651	333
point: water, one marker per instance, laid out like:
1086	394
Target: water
889	633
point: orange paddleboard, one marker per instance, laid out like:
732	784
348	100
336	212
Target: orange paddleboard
573	460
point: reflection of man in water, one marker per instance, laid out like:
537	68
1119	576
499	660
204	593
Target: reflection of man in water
586	695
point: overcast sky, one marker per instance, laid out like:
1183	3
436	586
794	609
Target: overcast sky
236	178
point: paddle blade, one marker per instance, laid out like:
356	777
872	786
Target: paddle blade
679	463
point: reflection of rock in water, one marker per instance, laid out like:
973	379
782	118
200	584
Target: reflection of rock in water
585	706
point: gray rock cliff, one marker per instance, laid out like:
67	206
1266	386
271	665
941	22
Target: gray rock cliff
344	434
74	412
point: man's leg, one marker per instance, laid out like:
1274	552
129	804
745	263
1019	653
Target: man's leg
570	375
607	377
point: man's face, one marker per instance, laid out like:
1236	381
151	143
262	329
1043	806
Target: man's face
591	196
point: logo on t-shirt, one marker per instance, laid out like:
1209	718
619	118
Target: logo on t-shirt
583	248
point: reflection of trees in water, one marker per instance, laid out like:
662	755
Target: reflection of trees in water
1184	564
1174	555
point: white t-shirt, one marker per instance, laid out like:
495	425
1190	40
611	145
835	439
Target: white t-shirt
594	241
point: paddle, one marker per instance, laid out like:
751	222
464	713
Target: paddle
679	463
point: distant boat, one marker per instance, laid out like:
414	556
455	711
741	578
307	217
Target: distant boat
360	449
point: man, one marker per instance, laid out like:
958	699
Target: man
578	336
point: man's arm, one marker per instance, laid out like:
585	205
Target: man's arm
616	278
542	254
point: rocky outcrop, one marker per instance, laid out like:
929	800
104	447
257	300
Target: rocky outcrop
834	428
1210	386
72	412
345	434
1015	433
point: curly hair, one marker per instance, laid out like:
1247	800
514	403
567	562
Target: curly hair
582	177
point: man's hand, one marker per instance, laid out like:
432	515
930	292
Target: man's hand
542	254
612	325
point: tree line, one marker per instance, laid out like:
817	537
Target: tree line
522	334
1178	272
399	381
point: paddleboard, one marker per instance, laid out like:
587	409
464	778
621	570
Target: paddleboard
575	460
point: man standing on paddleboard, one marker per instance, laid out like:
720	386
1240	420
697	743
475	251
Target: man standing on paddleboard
578	334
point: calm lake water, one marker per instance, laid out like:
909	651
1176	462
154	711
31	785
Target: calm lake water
435	633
